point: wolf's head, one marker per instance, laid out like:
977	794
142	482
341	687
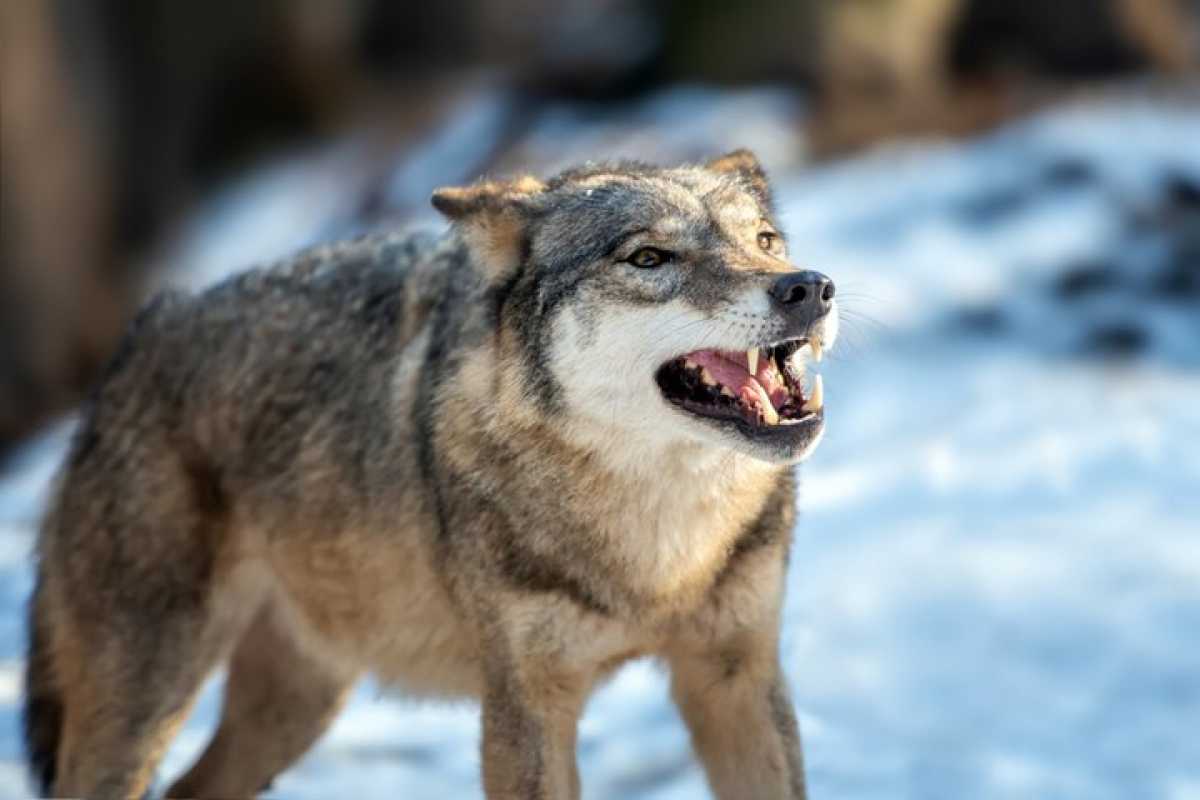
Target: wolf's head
655	304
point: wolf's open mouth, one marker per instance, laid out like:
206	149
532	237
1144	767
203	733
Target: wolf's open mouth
761	386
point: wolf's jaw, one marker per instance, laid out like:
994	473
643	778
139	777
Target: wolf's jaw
763	387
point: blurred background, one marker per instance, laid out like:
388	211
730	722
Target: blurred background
995	589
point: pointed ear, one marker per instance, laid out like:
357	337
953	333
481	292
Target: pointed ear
744	165
493	218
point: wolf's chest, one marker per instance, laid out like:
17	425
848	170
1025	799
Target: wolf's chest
673	543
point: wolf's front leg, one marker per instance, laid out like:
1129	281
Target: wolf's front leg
744	730
530	712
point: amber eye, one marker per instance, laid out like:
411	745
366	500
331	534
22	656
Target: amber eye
649	257
767	241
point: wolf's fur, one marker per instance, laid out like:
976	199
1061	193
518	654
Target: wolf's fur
444	461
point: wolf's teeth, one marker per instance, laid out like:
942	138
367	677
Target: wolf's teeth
816	347
796	361
725	390
770	415
707	377
816	400
752	360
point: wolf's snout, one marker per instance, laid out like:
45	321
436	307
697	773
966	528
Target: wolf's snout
807	292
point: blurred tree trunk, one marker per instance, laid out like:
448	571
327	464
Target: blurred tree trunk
948	67
60	309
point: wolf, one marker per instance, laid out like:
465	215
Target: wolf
497	464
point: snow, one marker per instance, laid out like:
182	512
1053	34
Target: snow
995	586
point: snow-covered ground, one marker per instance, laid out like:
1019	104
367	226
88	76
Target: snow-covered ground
995	588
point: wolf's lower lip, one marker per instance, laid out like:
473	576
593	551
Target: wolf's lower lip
788	435
806	417
794	432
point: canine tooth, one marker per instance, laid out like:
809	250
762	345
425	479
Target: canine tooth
816	347
816	400
752	360
725	390
796	361
707	377
770	415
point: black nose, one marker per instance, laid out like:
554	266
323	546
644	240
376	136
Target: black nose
807	290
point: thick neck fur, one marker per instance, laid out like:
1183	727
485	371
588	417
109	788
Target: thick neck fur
685	503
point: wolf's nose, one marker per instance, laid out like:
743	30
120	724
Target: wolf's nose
807	290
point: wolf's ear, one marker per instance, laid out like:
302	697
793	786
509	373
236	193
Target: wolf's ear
744	164
493	217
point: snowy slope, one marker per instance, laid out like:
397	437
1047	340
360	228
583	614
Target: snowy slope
995	589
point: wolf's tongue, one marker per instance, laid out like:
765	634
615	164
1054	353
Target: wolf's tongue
764	391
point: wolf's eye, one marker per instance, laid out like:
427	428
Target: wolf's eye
768	241
648	257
